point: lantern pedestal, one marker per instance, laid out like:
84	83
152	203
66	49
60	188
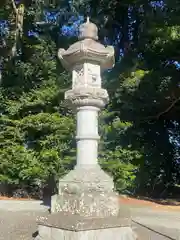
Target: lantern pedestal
86	208
65	227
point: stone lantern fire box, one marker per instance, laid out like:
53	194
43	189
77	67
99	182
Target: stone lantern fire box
86	206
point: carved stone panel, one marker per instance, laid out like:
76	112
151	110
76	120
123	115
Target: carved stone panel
78	76
93	75
86	75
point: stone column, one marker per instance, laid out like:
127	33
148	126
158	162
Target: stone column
86	206
87	136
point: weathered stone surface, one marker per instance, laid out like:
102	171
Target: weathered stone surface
91	204
87	96
86	178
122	233
87	49
79	223
44	232
86	192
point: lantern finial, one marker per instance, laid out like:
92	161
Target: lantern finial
87	21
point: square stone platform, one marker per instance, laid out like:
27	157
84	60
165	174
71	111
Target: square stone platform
73	227
86	208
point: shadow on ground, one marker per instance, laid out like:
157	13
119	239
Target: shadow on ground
35	234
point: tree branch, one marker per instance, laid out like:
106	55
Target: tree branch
165	111
14	6
19	17
169	108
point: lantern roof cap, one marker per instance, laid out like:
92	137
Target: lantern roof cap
88	30
87	49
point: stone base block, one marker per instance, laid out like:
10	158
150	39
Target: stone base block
87	191
74	227
121	233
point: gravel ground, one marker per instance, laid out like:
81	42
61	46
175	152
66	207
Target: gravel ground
16	223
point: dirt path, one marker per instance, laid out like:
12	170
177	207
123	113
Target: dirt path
165	205
168	204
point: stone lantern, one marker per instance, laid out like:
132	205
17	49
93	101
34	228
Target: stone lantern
86	206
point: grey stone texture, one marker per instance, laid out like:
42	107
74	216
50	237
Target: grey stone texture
86	207
83	96
87	192
79	223
123	233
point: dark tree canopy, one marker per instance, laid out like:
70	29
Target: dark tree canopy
140	126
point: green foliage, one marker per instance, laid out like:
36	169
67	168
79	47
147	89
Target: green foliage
116	153
37	129
119	164
20	165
